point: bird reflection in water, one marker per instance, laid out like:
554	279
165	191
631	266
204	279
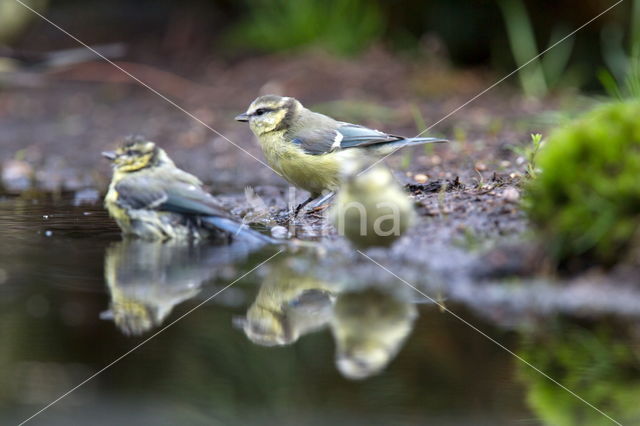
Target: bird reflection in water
147	279
288	305
369	328
369	323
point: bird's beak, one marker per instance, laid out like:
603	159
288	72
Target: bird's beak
242	117
110	155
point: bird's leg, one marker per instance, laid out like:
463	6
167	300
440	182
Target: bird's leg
301	205
318	203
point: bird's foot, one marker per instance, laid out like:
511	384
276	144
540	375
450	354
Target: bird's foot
318	209
322	201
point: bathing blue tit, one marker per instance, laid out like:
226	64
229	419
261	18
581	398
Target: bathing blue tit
371	209
369	328
307	148
149	197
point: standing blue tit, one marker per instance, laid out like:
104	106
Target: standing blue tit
307	148
371	209
149	197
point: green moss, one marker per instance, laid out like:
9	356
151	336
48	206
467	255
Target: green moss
341	26
586	201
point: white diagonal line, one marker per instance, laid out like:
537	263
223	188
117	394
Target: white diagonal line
142	83
121	357
571	34
445	309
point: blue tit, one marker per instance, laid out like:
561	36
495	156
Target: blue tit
371	209
149	197
307	148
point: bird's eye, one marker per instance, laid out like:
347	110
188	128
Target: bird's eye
261	111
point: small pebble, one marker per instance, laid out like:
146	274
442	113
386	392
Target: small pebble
481	167
86	196
16	175
279	232
421	178
511	194
435	160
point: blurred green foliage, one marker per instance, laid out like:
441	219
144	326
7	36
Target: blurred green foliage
495	33
598	364
341	26
537	74
586	200
621	79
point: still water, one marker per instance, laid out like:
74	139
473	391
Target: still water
296	340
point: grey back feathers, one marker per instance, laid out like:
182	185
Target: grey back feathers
167	189
318	134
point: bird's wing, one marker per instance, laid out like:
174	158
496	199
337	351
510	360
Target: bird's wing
318	141
147	192
346	135
139	193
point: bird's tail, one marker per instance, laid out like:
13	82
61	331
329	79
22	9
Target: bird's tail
419	141
239	231
391	147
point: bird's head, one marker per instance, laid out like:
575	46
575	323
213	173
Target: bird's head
270	112
132	317
267	327
134	154
358	359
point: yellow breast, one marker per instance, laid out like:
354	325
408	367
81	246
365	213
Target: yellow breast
115	211
313	173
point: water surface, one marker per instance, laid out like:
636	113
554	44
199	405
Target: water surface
297	341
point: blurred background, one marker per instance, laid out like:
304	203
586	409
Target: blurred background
400	65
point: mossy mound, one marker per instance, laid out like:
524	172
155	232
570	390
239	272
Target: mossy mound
586	200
